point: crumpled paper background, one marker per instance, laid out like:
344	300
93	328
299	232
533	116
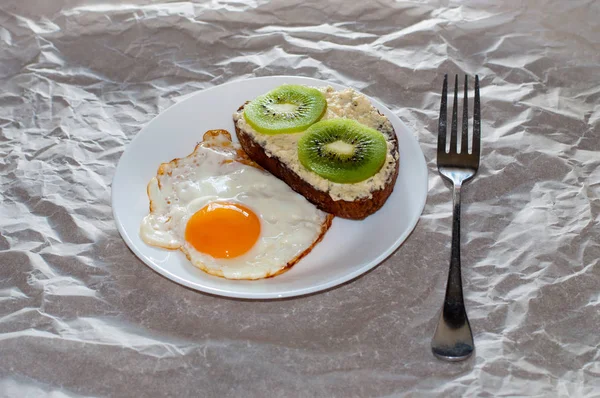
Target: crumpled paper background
80	315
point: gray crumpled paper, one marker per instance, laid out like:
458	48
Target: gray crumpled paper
80	315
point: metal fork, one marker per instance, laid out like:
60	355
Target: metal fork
453	339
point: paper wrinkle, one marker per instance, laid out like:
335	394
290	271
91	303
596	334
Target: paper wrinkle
81	316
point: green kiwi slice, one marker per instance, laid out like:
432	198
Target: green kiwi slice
287	109
342	150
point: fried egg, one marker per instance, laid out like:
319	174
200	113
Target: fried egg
227	215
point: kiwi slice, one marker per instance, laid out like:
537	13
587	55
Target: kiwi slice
286	109
342	150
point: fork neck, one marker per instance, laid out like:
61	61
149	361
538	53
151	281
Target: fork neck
456	190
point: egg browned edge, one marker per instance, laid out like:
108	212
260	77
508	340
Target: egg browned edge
221	139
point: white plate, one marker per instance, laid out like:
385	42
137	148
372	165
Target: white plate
349	248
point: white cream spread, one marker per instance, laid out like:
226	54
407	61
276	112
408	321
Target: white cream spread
349	104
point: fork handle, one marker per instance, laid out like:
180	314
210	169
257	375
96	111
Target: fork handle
454	307
453	339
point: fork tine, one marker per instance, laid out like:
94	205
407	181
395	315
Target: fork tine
476	120
454	128
442	122
464	140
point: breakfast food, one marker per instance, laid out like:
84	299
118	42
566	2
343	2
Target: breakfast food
346	162
227	215
287	109
342	150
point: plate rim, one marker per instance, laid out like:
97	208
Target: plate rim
299	292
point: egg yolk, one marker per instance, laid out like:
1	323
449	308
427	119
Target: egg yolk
223	230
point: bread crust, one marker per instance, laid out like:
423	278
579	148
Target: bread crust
356	210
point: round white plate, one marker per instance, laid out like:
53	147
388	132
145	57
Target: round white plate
348	249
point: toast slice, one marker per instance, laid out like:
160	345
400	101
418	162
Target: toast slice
278	155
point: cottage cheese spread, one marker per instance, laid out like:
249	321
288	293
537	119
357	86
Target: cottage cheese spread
340	104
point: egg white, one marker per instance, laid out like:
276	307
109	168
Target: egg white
289	223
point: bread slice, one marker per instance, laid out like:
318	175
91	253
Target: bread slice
365	201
